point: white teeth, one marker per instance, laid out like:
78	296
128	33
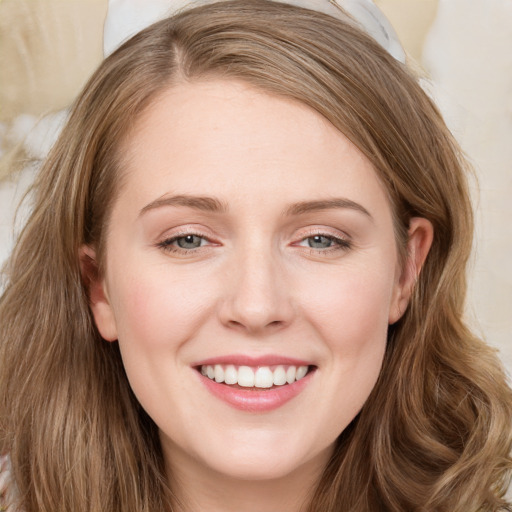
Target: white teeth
219	373
279	376
290	374
301	372
261	377
230	375
245	377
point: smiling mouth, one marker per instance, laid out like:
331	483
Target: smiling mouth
260	377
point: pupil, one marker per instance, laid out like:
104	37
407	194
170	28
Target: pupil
319	242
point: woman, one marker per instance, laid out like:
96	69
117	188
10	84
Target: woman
242	285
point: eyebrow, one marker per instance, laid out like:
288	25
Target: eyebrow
203	203
213	205
325	204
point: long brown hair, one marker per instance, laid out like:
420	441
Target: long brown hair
435	434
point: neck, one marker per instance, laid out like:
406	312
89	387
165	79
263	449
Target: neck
198	488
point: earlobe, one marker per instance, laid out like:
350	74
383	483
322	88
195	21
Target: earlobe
420	237
97	294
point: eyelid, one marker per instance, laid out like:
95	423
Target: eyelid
322	231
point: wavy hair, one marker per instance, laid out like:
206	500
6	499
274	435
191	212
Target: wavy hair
435	433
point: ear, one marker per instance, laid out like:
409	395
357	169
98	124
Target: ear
96	291
420	236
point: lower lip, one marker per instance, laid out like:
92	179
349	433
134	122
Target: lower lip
251	400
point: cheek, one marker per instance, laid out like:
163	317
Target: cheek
352	304
158	307
349	314
157	314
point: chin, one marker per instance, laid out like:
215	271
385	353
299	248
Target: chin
259	468
265	457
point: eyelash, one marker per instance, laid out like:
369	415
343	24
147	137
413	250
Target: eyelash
339	244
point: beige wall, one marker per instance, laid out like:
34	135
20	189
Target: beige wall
48	48
412	20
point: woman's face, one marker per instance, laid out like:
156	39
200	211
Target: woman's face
250	241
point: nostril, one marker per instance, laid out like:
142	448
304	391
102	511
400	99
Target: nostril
275	324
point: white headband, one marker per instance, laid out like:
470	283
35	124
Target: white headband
127	17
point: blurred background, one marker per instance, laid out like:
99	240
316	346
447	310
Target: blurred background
48	49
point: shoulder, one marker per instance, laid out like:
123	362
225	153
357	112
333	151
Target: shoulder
6	485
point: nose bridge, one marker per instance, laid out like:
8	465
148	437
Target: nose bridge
257	297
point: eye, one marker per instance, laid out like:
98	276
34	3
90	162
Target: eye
324	243
184	243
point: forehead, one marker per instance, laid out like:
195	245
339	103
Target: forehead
228	138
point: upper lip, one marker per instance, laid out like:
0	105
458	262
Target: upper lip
254	361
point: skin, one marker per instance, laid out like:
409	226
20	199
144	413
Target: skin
253	286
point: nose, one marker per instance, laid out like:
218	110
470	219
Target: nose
257	296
